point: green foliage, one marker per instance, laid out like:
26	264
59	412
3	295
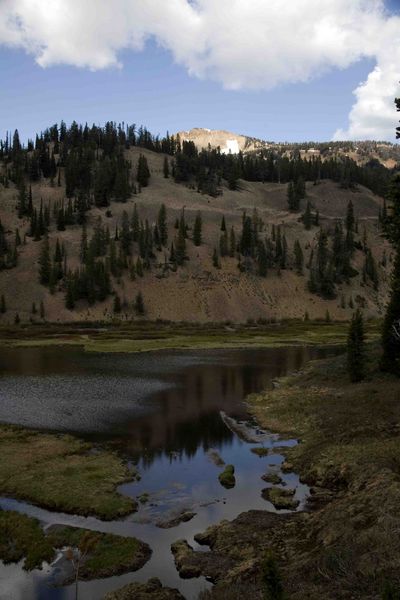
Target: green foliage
143	172
45	262
139	304
22	537
227	477
298	257
271	579
162	225
390	338
197	230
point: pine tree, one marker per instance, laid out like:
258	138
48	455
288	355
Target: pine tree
307	217
17	319
84	244
143	172
262	259
125	234
166	167
390	360
298	257
3	307
271	579
223	244
215	259
34	309
162	225
291	197
117	304
300	190
223	224
180	250
355	348
42	313
45	262
139	304
232	243
135	224
197	230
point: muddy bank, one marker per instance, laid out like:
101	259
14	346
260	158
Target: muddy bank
346	544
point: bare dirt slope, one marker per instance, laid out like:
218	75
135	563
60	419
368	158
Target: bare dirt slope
198	291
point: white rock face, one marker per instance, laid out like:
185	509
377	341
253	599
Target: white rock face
228	142
232	147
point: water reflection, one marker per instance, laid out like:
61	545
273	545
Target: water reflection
164	412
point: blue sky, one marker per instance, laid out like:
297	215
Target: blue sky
151	88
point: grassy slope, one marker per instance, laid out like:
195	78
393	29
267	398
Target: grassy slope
349	446
198	292
61	473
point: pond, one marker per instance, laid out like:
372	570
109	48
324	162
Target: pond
174	415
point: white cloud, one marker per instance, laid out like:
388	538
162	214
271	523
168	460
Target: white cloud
244	44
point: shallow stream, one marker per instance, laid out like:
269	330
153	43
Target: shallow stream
171	414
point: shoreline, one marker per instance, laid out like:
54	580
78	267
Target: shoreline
151	337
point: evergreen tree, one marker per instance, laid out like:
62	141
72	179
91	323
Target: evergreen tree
34	309
143	172
298	257
390	334
262	259
307	217
355	348
197	230
292	197
271	579
117	304
139	304
166	167
223	224
17	319
45	262
135	224
300	190
84	244
42	313
162	225
223	244
232	243
215	259
3	307
180	250
125	234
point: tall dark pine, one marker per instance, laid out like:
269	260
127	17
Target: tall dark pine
45	263
162	225
397	102
143	172
166	167
391	326
355	348
197	230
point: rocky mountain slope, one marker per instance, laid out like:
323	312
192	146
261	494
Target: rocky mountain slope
361	152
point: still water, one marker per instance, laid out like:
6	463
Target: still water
170	414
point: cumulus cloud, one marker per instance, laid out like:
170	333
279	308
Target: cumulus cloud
243	44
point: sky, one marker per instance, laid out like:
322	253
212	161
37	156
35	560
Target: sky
279	70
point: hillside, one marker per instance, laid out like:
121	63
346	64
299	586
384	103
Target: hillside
197	290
